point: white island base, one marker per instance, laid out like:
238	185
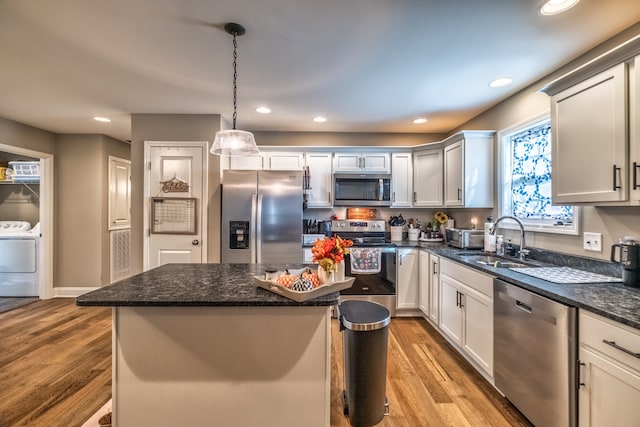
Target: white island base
221	366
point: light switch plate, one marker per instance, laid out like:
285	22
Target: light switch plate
593	241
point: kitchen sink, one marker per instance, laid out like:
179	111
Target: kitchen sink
494	261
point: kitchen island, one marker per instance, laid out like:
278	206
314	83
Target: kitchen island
201	345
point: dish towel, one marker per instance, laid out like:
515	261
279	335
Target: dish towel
366	260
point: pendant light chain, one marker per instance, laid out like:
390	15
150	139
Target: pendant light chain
235	78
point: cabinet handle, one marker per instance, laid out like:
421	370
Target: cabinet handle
394	197
457	299
616	173
579	374
329	196
400	259
616	346
459	193
435	264
635	175
461	296
415	197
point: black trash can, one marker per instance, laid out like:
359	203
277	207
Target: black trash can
365	330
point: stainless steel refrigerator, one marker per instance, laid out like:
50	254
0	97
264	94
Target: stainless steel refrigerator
261	217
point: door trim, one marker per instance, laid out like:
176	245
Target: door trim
146	226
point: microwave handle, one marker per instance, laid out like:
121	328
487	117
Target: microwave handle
381	189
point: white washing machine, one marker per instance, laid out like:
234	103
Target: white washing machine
19	275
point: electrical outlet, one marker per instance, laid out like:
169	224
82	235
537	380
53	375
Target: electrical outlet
593	241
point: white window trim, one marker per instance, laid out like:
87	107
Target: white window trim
504	179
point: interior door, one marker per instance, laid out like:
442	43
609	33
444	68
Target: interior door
175	172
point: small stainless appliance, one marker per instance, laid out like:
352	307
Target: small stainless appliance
465	239
535	355
629	259
261	216
362	190
376	280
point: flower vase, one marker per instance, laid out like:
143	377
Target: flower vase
326	277
339	276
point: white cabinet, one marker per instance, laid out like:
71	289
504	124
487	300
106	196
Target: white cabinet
250	162
428	171
362	162
407	279
582	118
609	392
401	180
434	289
429	283
319	195
423	283
595	127
284	161
466	312
468	169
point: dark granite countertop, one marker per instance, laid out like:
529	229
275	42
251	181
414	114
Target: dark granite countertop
611	300
183	285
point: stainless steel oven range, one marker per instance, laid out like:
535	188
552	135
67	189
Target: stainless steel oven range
372	262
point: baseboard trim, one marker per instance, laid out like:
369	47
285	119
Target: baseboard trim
71	292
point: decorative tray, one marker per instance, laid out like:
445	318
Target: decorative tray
304	295
440	239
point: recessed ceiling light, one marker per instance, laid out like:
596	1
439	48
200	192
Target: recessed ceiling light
420	120
319	119
502	81
263	110
553	7
102	119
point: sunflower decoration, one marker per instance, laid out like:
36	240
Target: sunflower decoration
440	218
328	252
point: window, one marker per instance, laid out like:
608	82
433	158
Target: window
525	179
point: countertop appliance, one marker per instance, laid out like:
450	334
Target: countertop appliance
261	216
535	354
376	281
19	272
465	239
362	190
629	259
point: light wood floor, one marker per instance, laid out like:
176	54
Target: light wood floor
55	370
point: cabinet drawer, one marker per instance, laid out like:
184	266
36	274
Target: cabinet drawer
594	330
479	281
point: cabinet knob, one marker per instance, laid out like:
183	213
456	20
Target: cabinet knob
195	242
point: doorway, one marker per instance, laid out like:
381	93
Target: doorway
45	246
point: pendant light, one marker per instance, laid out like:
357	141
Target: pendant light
234	142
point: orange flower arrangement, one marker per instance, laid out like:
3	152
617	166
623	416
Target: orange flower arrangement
330	251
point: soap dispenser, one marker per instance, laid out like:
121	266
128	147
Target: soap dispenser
489	239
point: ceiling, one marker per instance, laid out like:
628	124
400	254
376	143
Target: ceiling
366	65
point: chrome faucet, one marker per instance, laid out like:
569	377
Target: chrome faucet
522	252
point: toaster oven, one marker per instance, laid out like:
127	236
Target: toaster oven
465	239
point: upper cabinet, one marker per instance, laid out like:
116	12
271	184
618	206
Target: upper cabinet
284	161
401	180
428	171
320	180
596	132
362	162
468	169
250	162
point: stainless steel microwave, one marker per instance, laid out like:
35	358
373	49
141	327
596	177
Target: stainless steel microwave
362	190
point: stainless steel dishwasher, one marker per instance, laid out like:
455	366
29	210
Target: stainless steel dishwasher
535	355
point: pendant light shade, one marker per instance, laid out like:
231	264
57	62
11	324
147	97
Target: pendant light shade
234	142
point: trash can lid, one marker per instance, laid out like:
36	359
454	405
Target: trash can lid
363	315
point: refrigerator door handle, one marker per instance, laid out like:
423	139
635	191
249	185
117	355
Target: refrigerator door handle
258	234
252	231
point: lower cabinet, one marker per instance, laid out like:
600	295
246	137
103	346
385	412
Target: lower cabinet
407	279
466	312
609	392
429	283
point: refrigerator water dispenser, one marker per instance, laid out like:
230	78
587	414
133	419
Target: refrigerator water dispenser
238	234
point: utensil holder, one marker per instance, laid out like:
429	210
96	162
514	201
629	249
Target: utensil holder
396	232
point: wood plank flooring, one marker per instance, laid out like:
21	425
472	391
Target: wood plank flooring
55	363
9	303
55	370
